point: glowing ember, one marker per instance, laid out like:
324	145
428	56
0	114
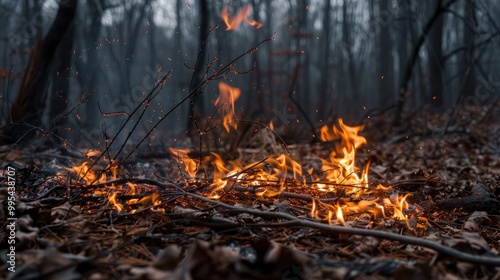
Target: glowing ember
242	15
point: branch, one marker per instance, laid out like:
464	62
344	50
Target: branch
294	221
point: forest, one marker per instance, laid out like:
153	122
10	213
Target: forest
250	139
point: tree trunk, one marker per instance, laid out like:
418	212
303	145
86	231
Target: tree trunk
403	89
32	97
61	80
89	80
385	48
196	110
326	79
468	59
435	56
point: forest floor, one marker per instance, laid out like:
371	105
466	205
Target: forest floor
430	211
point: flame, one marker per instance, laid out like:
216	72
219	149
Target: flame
340	178
399	205
92	153
83	172
190	165
274	175
314	211
340	216
112	199
132	189
271	125
341	168
227	96
241	15
326	135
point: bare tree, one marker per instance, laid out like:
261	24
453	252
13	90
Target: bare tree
435	55
403	89
386	72
196	110
326	68
31	100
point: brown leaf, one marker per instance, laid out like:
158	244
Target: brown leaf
168	258
477	219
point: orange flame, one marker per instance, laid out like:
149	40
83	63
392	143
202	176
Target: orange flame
340	216
241	15
190	165
83	172
227	96
92	153
112	199
399	204
341	169
274	175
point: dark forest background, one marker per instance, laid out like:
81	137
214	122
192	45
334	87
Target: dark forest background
329	59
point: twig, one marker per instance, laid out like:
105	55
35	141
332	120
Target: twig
441	249
291	195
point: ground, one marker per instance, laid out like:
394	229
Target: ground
435	214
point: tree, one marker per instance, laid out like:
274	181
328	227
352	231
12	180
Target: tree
326	72
196	104
386	73
31	100
435	56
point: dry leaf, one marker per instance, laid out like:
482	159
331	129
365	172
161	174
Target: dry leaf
477	219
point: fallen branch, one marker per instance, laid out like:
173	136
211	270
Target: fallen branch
482	199
294	221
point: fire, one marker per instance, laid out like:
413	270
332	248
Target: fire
275	175
191	165
92	153
227	96
338	189
340	168
340	216
399	204
112	199
241	15
83	172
